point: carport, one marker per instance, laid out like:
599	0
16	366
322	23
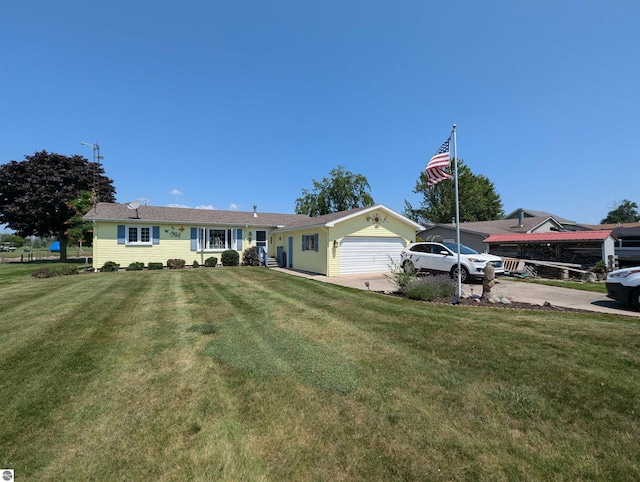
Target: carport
584	248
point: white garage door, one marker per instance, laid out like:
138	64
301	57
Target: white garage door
368	255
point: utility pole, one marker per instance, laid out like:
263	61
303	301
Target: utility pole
96	161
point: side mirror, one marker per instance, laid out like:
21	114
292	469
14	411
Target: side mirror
446	253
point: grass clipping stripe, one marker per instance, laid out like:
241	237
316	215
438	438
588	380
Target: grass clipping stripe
265	351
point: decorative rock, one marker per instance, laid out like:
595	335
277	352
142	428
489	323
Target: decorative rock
505	301
488	281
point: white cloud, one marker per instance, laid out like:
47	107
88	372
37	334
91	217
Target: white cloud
233	207
176	192
202	206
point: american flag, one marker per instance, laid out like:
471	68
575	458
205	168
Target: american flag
435	168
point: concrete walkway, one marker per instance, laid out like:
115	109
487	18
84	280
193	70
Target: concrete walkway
516	290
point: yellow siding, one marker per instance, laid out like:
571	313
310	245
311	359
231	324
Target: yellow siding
327	259
312	261
175	243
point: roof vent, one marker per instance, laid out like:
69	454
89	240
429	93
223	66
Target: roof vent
255	214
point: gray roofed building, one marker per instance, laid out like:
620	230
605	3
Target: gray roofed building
158	214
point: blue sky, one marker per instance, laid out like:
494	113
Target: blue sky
230	104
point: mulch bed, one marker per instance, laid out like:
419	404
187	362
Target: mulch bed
481	302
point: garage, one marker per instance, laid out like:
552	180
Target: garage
369	254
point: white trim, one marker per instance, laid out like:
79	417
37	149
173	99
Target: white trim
382	207
204	234
138	229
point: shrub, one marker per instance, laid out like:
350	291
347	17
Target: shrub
137	266
250	257
44	273
230	258
110	266
65	270
399	276
600	267
211	262
195	264
155	266
428	288
175	263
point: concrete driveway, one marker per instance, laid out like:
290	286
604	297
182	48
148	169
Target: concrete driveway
515	290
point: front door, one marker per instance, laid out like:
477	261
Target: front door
261	238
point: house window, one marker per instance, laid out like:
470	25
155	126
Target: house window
309	242
218	239
138	235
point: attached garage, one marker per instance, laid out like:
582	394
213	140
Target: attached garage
369	254
360	240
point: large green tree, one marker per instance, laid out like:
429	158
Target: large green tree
478	198
78	229
36	193
625	212
342	190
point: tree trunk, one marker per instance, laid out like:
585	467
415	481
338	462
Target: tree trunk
63	247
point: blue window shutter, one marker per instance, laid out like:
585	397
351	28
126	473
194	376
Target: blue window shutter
315	241
303	240
156	234
194	239
121	233
239	239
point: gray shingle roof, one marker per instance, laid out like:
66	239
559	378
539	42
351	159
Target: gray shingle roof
306	221
156	214
120	212
500	226
537	214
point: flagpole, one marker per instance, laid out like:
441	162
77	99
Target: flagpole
455	161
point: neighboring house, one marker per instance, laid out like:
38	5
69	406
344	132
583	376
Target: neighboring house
535	235
360	240
522	214
474	234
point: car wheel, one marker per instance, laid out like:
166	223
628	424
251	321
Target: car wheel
464	273
635	298
408	267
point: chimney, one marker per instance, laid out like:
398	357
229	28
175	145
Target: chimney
521	218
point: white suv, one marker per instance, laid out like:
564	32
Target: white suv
443	258
624	285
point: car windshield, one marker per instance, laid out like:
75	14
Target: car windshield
463	249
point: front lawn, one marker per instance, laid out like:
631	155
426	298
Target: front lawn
250	374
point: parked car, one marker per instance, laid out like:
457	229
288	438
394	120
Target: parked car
624	285
9	247
443	258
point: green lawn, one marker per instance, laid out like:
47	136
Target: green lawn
250	374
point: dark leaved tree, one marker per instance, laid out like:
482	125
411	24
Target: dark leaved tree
36	194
